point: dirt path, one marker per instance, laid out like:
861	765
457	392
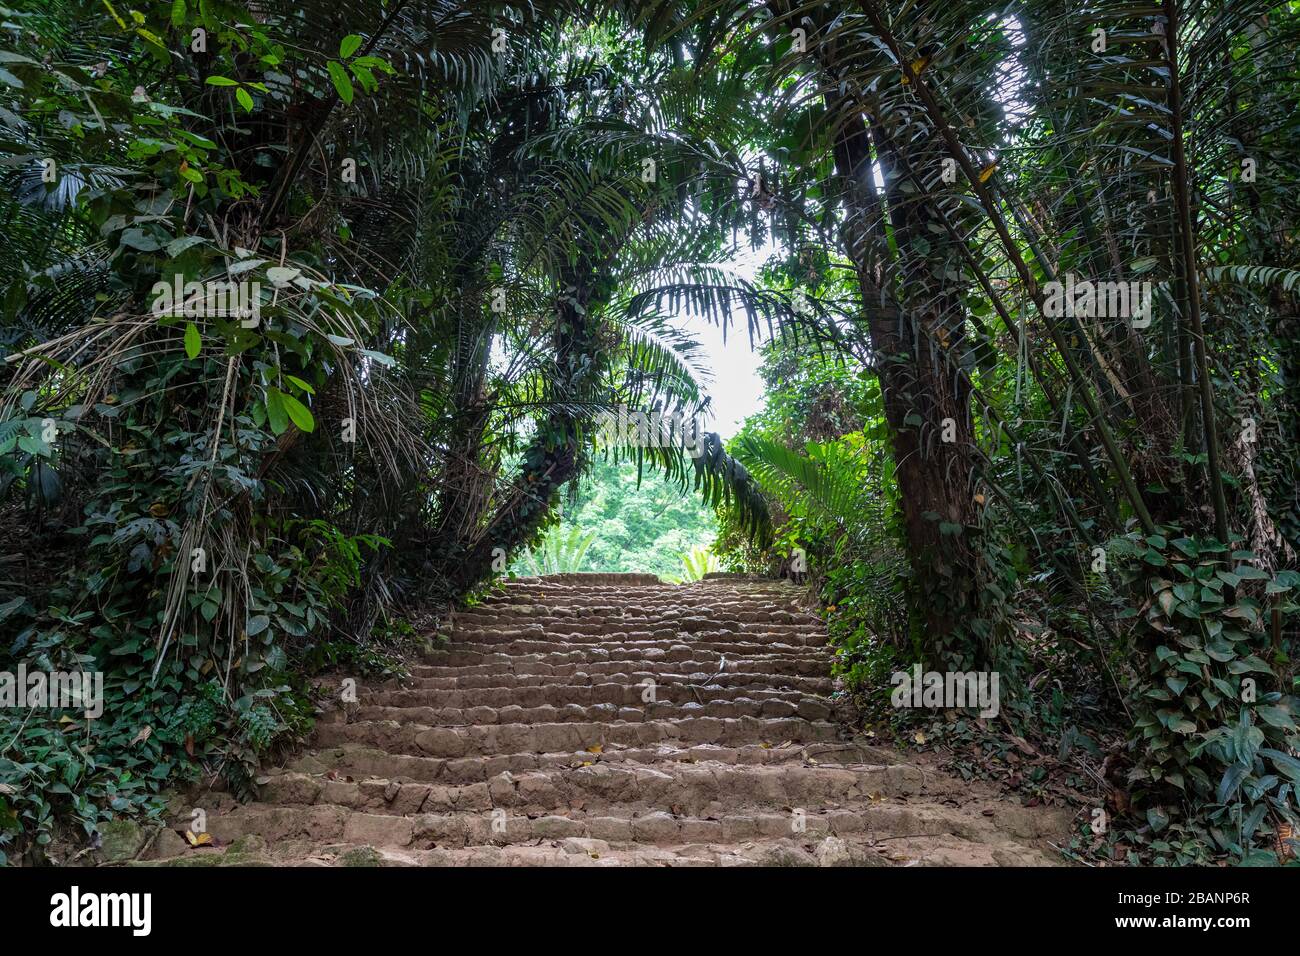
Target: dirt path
614	720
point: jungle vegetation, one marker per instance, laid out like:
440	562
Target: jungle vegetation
309	311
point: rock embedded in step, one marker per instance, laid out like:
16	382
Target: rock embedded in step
584	846
554	828
657	827
833	851
121	840
169	843
361	856
784	854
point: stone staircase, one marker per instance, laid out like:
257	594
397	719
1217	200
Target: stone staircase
613	720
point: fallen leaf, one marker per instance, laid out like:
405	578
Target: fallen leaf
203	839
141	736
596	748
919	737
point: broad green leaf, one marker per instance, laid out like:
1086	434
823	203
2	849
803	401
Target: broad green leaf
193	341
177	246
275	411
298	412
301	384
339	77
349	45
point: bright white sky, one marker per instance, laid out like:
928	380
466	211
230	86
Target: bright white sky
736	389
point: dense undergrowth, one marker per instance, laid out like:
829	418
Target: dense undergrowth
309	314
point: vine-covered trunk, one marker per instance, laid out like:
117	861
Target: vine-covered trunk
926	398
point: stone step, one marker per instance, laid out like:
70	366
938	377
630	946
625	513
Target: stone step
806	707
552	652
702	663
569	851
329	823
420	740
688	788
629	693
733	615
758	642
878	834
527	740
360	762
817	686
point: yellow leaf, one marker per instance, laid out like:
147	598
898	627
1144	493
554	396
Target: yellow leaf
919	736
987	171
596	748
917	66
203	839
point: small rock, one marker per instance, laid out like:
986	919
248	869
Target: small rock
122	840
833	851
361	856
169	843
584	845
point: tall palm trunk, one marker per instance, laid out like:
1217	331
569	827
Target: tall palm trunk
926	405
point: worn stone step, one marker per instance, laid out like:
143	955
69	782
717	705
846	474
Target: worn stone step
806	707
568	851
329	823
630	693
529	740
702	663
650	654
397	737
699	788
629	676
361	762
877	834
515	640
